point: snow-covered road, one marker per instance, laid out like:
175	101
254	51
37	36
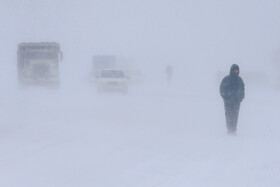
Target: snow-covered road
146	138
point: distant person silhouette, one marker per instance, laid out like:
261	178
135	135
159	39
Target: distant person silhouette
169	73
233	92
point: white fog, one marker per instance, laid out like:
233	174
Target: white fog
159	132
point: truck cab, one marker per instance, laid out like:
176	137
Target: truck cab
38	63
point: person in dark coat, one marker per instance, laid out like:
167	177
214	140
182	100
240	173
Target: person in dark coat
233	92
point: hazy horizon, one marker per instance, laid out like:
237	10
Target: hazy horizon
196	35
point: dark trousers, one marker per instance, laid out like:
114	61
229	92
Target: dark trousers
231	111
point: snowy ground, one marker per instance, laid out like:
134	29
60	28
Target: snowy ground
150	137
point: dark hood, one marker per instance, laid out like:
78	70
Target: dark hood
233	67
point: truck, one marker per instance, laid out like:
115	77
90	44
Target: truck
38	63
101	62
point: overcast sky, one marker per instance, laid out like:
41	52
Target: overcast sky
194	35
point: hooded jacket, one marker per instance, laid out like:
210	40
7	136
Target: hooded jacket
232	86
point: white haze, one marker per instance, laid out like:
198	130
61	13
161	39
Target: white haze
157	134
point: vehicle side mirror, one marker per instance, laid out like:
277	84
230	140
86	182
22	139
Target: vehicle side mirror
61	56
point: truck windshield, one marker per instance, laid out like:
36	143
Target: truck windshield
40	55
